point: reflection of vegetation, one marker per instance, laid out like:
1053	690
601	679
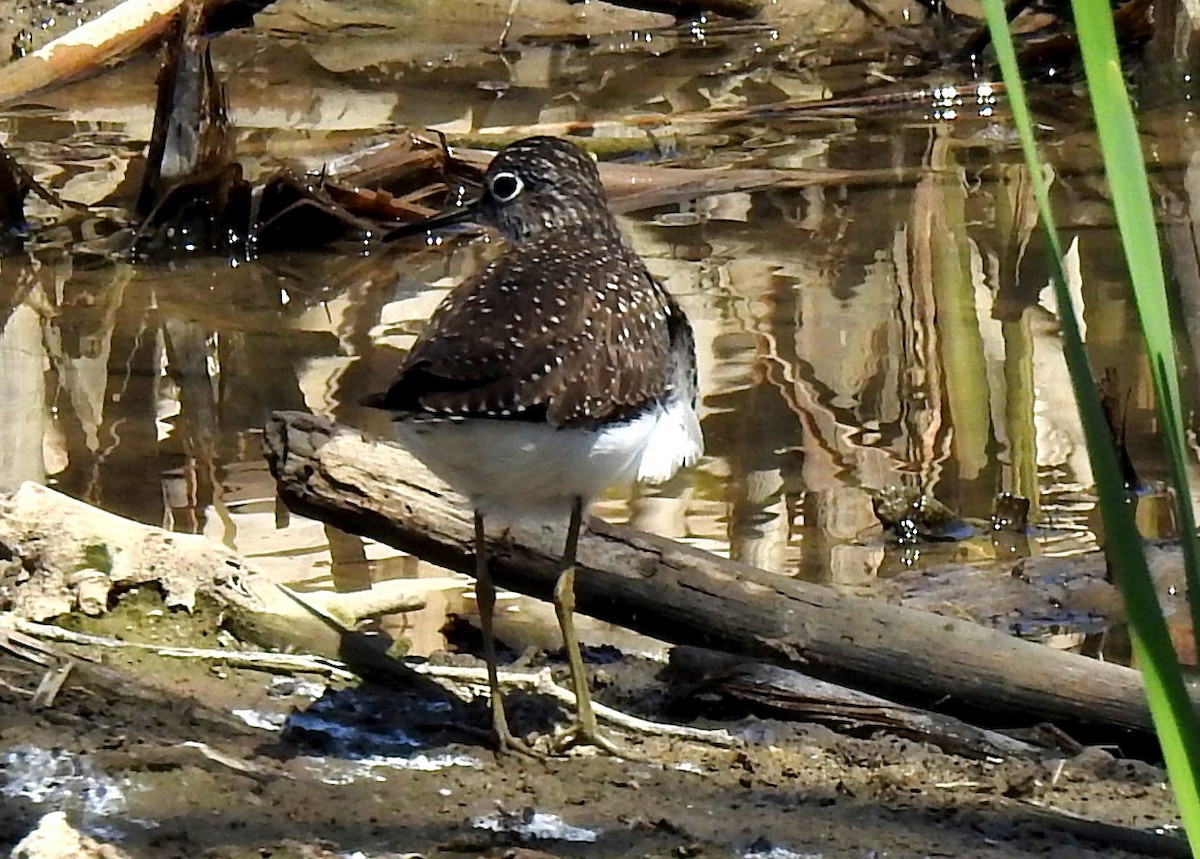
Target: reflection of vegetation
1174	717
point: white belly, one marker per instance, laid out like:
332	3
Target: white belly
513	468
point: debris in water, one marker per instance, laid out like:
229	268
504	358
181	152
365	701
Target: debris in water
194	197
914	516
1010	513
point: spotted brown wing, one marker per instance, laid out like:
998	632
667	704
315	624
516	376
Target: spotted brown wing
575	336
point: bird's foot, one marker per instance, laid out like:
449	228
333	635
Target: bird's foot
509	743
506	742
579	733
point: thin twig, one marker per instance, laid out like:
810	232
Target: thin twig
4	684
543	682
25	647
257	659
540	681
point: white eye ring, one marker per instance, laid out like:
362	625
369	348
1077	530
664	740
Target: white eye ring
506	187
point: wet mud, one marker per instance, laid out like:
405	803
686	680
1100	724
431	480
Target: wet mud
222	762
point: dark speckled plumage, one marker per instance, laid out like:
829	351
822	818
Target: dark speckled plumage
567	327
559	370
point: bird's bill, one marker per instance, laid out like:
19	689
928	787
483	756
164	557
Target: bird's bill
454	216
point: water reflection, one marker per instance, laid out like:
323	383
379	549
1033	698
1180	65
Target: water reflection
851	337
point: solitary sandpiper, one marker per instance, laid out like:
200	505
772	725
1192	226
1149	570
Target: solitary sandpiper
559	370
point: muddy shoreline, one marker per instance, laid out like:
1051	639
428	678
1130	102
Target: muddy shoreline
186	778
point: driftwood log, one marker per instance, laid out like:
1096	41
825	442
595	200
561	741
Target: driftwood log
686	596
61	554
776	691
716	684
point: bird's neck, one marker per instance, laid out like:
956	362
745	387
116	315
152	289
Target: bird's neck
565	224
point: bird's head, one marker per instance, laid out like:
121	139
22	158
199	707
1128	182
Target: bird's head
533	186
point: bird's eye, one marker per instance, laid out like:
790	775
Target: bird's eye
506	187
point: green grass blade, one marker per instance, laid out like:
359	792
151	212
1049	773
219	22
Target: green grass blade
1136	223
1174	718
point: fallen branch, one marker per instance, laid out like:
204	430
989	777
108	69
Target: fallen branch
117	33
76	555
795	695
688	596
153	756
123	685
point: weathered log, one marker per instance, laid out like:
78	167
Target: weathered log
117	33
73	555
64	554
687	596
774	690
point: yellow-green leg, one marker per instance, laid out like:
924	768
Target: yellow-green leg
485	596
583	731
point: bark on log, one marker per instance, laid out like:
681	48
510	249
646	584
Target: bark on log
774	690
61	554
687	596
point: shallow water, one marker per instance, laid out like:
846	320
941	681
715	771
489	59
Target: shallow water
884	325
